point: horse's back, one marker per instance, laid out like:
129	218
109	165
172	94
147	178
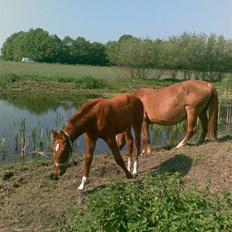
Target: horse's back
167	105
120	112
186	92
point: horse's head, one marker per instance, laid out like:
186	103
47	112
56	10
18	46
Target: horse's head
61	149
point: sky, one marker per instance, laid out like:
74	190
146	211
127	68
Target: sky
107	20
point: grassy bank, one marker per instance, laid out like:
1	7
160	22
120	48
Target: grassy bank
188	189
55	79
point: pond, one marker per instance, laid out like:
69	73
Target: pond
26	123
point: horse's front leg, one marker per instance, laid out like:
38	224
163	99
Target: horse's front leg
110	140
90	146
191	128
137	130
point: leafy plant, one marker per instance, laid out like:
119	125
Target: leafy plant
158	203
90	83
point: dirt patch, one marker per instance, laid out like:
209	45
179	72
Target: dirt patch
30	200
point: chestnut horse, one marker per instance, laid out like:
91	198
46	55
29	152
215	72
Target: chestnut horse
101	118
171	105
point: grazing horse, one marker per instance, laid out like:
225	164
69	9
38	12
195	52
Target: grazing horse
171	105
101	118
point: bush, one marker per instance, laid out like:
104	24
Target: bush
155	204
90	83
9	78
6	81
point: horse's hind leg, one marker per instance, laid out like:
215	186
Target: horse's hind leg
191	129
116	153
90	146
204	122
146	137
137	131
129	142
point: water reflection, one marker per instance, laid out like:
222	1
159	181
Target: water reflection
26	124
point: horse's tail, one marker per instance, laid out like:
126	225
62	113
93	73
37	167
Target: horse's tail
213	115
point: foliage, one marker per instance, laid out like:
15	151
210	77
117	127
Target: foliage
36	44
42	47
91	83
158	203
204	57
6	81
135	56
86	82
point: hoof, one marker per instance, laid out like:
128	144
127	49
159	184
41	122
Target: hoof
83	183
179	145
135	175
81	187
129	176
53	176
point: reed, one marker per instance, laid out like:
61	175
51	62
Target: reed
3	145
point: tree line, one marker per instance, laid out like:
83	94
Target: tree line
192	53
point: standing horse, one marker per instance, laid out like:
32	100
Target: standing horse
171	105
101	118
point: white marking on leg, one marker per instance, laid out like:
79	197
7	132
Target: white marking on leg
83	183
135	171
129	164
181	144
148	149
142	152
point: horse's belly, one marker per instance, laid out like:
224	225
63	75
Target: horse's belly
168	118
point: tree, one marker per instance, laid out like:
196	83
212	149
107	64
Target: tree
80	51
97	54
36	44
135	56
67	43
8	48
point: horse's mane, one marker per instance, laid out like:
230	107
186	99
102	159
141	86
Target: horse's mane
84	109
86	106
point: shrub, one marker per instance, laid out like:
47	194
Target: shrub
5	82
90	83
9	78
155	204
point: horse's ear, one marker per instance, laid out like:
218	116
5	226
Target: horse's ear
54	134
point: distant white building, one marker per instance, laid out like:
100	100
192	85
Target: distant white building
27	60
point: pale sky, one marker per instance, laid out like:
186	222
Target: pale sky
105	20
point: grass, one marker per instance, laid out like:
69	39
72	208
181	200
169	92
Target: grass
20	78
55	71
157	203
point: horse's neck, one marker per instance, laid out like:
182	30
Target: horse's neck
76	126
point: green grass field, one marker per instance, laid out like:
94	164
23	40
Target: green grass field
58	70
85	77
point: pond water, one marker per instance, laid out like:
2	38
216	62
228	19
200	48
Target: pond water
25	125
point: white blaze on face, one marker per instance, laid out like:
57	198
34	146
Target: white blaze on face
57	147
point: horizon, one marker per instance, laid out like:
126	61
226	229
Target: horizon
104	21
